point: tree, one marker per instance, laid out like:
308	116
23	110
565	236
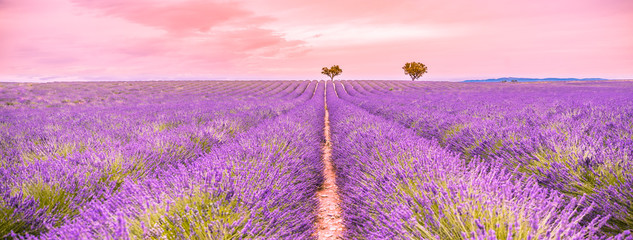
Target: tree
414	70
332	71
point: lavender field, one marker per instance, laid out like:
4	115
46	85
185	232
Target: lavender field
243	159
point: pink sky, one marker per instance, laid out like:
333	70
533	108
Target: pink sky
61	40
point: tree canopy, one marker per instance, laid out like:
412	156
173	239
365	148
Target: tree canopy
332	71
414	69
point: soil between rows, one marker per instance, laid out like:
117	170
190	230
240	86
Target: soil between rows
329	221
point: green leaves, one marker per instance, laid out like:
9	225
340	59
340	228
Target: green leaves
200	215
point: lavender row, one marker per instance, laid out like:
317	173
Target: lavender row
260	185
54	95
397	185
572	137
54	162
219	119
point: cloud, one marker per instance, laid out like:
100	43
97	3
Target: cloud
175	17
198	31
137	38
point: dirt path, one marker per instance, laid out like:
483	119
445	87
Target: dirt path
329	221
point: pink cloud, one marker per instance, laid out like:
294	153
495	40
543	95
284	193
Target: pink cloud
175	17
142	40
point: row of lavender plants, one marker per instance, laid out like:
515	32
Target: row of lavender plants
74	168
51	95
28	129
576	138
395	184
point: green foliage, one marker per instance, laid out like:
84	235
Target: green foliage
52	197
53	200
451	213
11	221
121	168
332	71
198	216
203	143
583	179
452	131
414	69
53	150
159	127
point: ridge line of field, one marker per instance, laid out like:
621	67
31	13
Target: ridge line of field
329	222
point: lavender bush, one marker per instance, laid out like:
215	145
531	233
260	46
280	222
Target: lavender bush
571	137
395	184
62	162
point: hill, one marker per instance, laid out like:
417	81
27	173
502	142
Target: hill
508	79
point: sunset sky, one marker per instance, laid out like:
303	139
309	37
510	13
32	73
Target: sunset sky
67	40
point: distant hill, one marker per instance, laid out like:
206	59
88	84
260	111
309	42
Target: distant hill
508	79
